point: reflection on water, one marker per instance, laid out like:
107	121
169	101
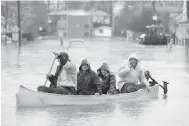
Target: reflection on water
29	65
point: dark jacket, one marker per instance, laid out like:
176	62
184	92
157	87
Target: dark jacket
88	83
53	78
108	83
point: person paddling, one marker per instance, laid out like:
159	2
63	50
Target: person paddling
64	81
130	74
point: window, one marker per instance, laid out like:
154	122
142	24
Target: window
86	26
63	17
101	31
65	34
86	34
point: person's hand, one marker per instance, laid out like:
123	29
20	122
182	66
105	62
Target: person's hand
109	93
56	54
48	75
100	79
98	94
131	66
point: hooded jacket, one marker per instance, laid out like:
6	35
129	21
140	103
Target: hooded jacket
108	83
130	75
88	83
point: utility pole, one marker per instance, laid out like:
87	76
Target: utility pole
187	9
58	2
67	17
19	26
6	22
90	19
113	17
48	6
154	9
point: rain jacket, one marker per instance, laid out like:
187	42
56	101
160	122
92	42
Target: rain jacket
128	75
65	76
108	83
88	83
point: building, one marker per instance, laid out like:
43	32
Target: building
101	24
101	17
181	21
103	31
71	23
2	25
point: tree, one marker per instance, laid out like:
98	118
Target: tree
33	15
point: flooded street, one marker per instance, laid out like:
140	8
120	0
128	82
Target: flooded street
29	66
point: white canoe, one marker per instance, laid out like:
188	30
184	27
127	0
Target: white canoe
30	98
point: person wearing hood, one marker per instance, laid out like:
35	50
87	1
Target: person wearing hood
130	74
88	82
64	81
108	80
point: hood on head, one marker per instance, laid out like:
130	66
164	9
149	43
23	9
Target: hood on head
105	67
135	56
84	61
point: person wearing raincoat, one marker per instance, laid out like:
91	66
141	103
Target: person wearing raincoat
108	80
88	82
131	76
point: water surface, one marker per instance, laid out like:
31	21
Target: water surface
29	65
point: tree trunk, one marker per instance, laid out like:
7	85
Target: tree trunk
7	12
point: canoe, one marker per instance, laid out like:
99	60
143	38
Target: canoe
30	98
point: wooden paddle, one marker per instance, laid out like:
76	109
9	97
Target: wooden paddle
55	53
164	87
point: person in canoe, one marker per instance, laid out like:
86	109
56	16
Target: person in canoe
88	82
130	74
108	80
65	79
149	78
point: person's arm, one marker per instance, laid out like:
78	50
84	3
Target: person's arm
112	87
96	81
53	78
123	71
142	78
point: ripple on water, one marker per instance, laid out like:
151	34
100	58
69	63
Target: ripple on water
29	65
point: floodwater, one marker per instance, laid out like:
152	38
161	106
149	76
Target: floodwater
29	65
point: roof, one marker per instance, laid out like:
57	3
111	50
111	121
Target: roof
153	26
100	13
70	12
185	22
103	27
79	12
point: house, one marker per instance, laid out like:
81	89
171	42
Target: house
2	25
101	17
71	23
181	24
103	31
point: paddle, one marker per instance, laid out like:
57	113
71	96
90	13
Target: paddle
164	87
55	53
